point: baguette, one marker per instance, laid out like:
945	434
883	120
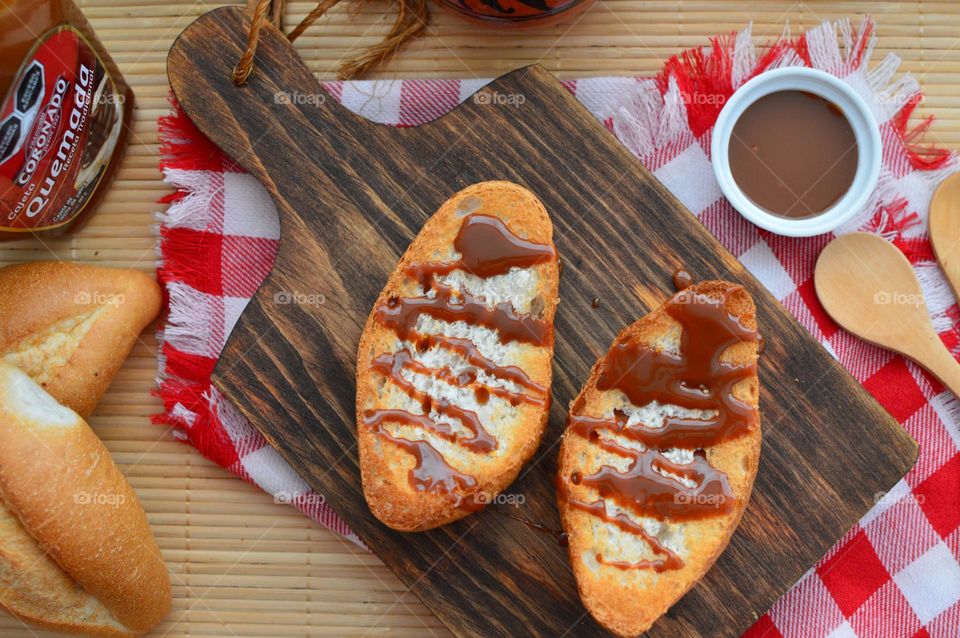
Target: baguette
70	326
454	364
76	552
654	473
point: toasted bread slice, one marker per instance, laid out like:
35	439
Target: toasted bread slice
71	326
454	365
660	453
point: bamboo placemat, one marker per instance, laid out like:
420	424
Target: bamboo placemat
242	565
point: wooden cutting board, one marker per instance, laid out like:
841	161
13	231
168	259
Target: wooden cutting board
352	194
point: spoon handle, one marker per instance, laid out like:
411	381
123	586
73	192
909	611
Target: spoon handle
934	356
951	267
945	229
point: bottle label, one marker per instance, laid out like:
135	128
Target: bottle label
59	125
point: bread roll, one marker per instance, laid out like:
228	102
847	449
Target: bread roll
71	326
76	552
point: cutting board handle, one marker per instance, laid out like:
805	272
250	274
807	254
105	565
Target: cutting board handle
242	119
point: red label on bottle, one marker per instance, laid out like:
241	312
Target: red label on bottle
59	125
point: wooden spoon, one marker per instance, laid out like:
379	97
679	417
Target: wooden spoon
868	287
945	229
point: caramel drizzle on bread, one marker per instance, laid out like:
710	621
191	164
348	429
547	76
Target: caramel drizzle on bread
694	378
391	367
487	248
432	473
469	351
401	314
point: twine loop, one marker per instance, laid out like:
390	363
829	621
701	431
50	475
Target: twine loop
411	20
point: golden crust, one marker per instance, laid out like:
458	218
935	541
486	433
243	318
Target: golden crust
385	466
71	326
60	484
36	590
628	602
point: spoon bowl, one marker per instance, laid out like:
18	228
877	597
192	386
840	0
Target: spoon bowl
868	287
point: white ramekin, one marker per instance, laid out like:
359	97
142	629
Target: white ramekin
856	111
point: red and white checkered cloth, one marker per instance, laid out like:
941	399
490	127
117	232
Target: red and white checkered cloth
897	572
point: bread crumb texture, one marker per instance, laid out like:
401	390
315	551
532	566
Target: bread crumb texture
42	352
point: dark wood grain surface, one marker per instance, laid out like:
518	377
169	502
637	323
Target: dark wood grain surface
352	195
